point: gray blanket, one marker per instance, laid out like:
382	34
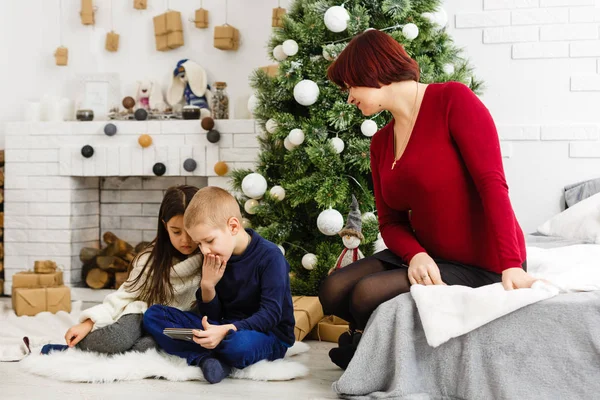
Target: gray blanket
548	350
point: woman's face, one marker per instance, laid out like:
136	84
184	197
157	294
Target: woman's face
367	99
179	237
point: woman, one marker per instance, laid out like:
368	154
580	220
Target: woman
166	272
440	190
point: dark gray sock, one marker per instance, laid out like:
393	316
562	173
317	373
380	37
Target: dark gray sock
144	343
214	370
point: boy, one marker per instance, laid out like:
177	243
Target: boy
244	310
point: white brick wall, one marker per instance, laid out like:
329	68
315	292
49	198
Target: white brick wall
57	202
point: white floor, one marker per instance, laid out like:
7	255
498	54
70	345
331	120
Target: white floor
15	384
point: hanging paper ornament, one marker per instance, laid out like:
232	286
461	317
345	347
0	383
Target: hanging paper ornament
367	216
159	169
110	129
278	53
271	125
410	31
309	261
306	92
145	140
221	168
296	137
368	127
140	114
336	19
277	192
282	249
190	165
290	47
213	136
207	123
338	144
254	185
330	222
289	146
252	103
246	223
87	151
448	69
250	206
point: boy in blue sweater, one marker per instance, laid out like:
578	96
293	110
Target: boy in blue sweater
244	310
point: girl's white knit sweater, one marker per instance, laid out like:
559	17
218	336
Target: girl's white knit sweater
185	278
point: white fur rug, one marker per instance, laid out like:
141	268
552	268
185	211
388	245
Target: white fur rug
74	365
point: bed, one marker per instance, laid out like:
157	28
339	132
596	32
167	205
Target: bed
547	350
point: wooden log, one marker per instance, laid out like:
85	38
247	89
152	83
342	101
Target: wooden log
1	251
1	195
86	267
1	266
88	253
111	263
116	246
1	176
129	256
97	278
141	246
1	234
1	219
120	278
1	287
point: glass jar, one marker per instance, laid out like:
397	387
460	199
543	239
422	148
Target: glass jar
220	102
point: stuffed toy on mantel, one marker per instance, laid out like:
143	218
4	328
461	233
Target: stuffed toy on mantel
190	85
351	237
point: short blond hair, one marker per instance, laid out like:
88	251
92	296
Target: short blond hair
211	205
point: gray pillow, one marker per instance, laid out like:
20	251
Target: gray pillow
580	191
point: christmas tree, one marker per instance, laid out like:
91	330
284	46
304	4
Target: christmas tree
315	147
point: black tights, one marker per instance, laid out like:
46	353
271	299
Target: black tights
355	291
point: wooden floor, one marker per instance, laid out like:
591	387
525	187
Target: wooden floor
15	384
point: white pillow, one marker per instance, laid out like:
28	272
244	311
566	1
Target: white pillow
582	221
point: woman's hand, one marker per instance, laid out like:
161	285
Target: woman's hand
423	270
76	333
516	278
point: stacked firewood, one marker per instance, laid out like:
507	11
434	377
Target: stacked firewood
1	222
108	267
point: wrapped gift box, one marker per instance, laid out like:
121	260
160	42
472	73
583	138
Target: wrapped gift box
277	14
33	301
307	312
271	70
44	267
227	37
140	4
28	279
201	18
329	329
87	12
168	31
112	41
61	56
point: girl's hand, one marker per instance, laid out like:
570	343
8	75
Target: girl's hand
76	333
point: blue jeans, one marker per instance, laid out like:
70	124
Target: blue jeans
238	349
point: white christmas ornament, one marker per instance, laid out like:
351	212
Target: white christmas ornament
271	125
330	222
367	216
250	206
439	18
410	31
282	249
368	127
288	145
336	19
309	261
448	69
296	137
277	192
326	54
252	103
290	47
338	144
306	92
254	185
246	222
278	53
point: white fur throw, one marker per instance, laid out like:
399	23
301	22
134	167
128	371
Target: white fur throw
74	365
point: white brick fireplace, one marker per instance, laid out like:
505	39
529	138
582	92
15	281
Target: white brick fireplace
57	201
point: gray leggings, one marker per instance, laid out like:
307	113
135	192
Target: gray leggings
127	334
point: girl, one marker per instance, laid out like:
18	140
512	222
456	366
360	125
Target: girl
166	272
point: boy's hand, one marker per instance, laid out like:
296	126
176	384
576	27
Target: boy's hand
212	335
213	268
76	333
